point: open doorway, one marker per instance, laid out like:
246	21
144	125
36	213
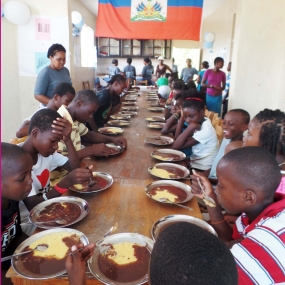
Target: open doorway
181	54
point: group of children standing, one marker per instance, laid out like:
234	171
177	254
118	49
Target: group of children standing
250	177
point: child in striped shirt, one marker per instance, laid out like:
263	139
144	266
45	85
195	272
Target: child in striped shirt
247	181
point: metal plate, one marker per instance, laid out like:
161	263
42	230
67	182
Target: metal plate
169	220
106	176
170	165
83	205
186	188
159	140
170	152
120	117
118	123
18	265
130	108
155	119
128	113
156	109
118	148
130	99
106	131
129	103
152	99
156	125
114	239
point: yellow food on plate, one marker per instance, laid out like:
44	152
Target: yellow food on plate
154	126
161	173
124	253
114	131
160	157
164	194
78	186
123	123
150	119
56	247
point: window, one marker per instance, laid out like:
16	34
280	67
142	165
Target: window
88	52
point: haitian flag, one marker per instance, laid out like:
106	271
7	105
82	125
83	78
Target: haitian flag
149	19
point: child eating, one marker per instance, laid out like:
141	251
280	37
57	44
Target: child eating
247	181
199	134
16	166
46	129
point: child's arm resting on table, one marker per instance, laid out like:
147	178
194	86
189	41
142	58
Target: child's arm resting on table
185	139
218	220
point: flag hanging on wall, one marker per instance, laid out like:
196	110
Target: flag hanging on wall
149	19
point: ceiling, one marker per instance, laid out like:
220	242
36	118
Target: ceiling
209	6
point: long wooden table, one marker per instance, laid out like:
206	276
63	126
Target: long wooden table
125	201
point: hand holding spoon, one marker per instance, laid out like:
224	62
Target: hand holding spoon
40	247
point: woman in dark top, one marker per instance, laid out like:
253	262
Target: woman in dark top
109	100
147	70
161	68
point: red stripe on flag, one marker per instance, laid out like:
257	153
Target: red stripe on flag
182	23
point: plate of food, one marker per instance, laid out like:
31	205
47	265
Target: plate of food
159	140
120	117
156	125
168	155
155	119
155	105
152	98
156	109
118	123
110	131
129	103
102	182
174	191
128	113
49	263
122	259
116	149
130	109
169	171
69	210
130	99
164	222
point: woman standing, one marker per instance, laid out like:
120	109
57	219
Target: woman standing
188	72
147	71
161	68
204	67
52	75
215	85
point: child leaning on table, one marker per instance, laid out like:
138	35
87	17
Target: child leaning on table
247	180
16	167
196	131
46	129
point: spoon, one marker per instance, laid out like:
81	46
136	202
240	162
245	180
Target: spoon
40	247
208	200
91	182
168	201
58	221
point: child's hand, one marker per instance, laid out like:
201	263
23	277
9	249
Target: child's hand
63	127
206	184
75	264
79	176
101	150
121	142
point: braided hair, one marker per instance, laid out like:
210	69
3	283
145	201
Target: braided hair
272	132
54	49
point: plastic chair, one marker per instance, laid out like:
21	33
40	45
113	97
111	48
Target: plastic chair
17	141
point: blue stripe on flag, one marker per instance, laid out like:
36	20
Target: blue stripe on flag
171	3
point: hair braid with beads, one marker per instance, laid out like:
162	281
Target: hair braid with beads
272	132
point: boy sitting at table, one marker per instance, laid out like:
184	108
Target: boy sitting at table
234	124
16	166
46	129
247	180
77	113
62	94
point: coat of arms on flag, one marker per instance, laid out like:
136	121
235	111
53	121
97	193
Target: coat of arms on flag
148	10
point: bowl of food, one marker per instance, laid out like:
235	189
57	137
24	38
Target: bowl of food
169	171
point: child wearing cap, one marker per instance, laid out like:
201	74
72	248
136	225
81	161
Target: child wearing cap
163	93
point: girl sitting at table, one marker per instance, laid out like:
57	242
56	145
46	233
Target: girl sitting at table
198	134
109	101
